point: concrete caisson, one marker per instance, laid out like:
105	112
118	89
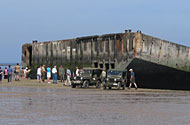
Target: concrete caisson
112	51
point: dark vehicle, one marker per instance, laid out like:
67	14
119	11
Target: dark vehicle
76	81
116	78
88	77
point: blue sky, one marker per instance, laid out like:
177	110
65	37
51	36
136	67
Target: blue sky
22	21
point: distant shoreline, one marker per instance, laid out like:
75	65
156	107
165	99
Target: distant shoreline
7	64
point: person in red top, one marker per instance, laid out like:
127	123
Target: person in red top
5	73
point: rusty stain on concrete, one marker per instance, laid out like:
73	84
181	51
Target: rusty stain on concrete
108	51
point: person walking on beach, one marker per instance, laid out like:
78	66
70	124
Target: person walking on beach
103	76
61	73
17	70
39	74
1	75
10	71
27	72
132	79
48	74
43	73
54	72
5	73
68	76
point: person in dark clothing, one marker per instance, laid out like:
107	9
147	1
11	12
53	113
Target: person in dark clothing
132	79
1	75
10	71
61	73
43	70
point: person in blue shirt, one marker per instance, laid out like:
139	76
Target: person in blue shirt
48	74
68	73
132	79
10	71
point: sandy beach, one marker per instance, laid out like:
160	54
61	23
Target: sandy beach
35	83
29	102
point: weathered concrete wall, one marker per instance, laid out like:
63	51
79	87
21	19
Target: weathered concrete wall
157	63
26	54
108	51
102	50
162	52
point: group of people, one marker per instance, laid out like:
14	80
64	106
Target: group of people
17	71
64	75
43	72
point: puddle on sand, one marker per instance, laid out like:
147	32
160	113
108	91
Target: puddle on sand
27	105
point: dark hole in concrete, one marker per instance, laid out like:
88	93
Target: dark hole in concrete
112	65
30	55
107	66
95	64
101	66
25	53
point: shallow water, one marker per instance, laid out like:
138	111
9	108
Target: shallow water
30	105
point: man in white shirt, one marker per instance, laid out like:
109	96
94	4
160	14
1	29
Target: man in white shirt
39	74
77	71
54	72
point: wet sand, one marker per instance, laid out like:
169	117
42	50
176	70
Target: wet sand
28	102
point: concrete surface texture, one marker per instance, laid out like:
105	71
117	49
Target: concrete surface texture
108	51
157	63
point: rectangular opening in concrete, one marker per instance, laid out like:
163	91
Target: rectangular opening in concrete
112	66
107	66
30	55
101	65
96	64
